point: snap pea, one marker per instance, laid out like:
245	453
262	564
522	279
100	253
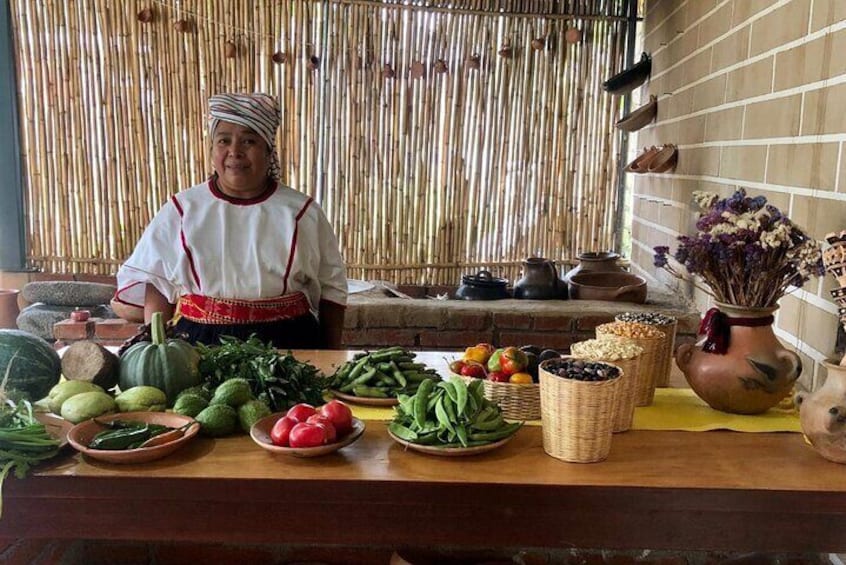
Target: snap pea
397	374
384	354
120	439
359	380
441	415
496	435
369	391
421	400
461	393
402	432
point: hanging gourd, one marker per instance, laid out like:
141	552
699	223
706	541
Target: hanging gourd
171	365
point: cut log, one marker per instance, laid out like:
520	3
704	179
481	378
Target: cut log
90	362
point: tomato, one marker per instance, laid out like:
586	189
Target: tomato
339	414
513	361
456	366
521	378
477	354
474	370
329	427
280	432
487	347
497	376
307	435
301	412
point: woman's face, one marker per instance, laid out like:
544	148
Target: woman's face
241	158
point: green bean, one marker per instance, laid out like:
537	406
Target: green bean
384	354
397	374
499	434
359	367
360	380
369	392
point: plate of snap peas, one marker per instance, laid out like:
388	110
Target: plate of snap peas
132	437
450	418
378	377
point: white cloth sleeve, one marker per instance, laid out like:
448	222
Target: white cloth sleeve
332	272
154	261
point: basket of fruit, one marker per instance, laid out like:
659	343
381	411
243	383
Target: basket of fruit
578	403
509	375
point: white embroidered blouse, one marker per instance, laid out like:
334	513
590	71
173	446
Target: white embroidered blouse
204	242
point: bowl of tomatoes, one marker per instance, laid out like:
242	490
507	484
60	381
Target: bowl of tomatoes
308	431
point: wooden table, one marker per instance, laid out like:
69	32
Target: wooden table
657	490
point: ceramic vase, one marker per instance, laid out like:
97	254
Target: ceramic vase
822	414
9	308
753	374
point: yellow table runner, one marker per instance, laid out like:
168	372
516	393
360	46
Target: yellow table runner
672	409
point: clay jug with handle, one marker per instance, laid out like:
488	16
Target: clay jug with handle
741	367
539	280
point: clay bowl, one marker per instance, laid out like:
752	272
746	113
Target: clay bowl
664	160
81	434
629	79
614	287
636	119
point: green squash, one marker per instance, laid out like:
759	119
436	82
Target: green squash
171	365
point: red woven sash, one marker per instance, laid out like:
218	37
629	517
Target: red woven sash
211	310
716	327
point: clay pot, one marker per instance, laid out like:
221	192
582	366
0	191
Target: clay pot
638	118
753	375
595	262
614	287
539	280
9	308
665	160
822	414
641	163
482	286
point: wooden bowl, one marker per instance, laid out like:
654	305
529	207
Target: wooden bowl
260	432
614	287
629	79
81	435
637	119
665	160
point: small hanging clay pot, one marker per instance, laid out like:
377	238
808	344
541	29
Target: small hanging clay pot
440	66
538	43
182	26
280	57
573	35
388	71
314	62
474	61
506	51
418	70
146	15
230	50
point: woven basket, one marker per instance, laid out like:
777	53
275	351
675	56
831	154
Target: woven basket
648	369
517	401
626	396
578	417
667	350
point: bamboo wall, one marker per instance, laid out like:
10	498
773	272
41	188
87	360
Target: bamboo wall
436	171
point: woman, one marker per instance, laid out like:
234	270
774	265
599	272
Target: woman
241	254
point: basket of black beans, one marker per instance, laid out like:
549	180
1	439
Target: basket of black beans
578	403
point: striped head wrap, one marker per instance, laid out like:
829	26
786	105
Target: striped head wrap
257	111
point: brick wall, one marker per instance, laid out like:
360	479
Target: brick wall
752	92
375	320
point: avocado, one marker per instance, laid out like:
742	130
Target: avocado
251	412
218	420
548	354
190	405
233	392
531	349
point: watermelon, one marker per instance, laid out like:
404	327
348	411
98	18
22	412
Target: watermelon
36	366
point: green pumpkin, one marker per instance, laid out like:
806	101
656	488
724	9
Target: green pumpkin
171	365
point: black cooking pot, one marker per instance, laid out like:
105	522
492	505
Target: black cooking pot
482	286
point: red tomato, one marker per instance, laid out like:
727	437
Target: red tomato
474	370
498	376
301	412
321	420
339	414
513	361
456	366
307	435
281	430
